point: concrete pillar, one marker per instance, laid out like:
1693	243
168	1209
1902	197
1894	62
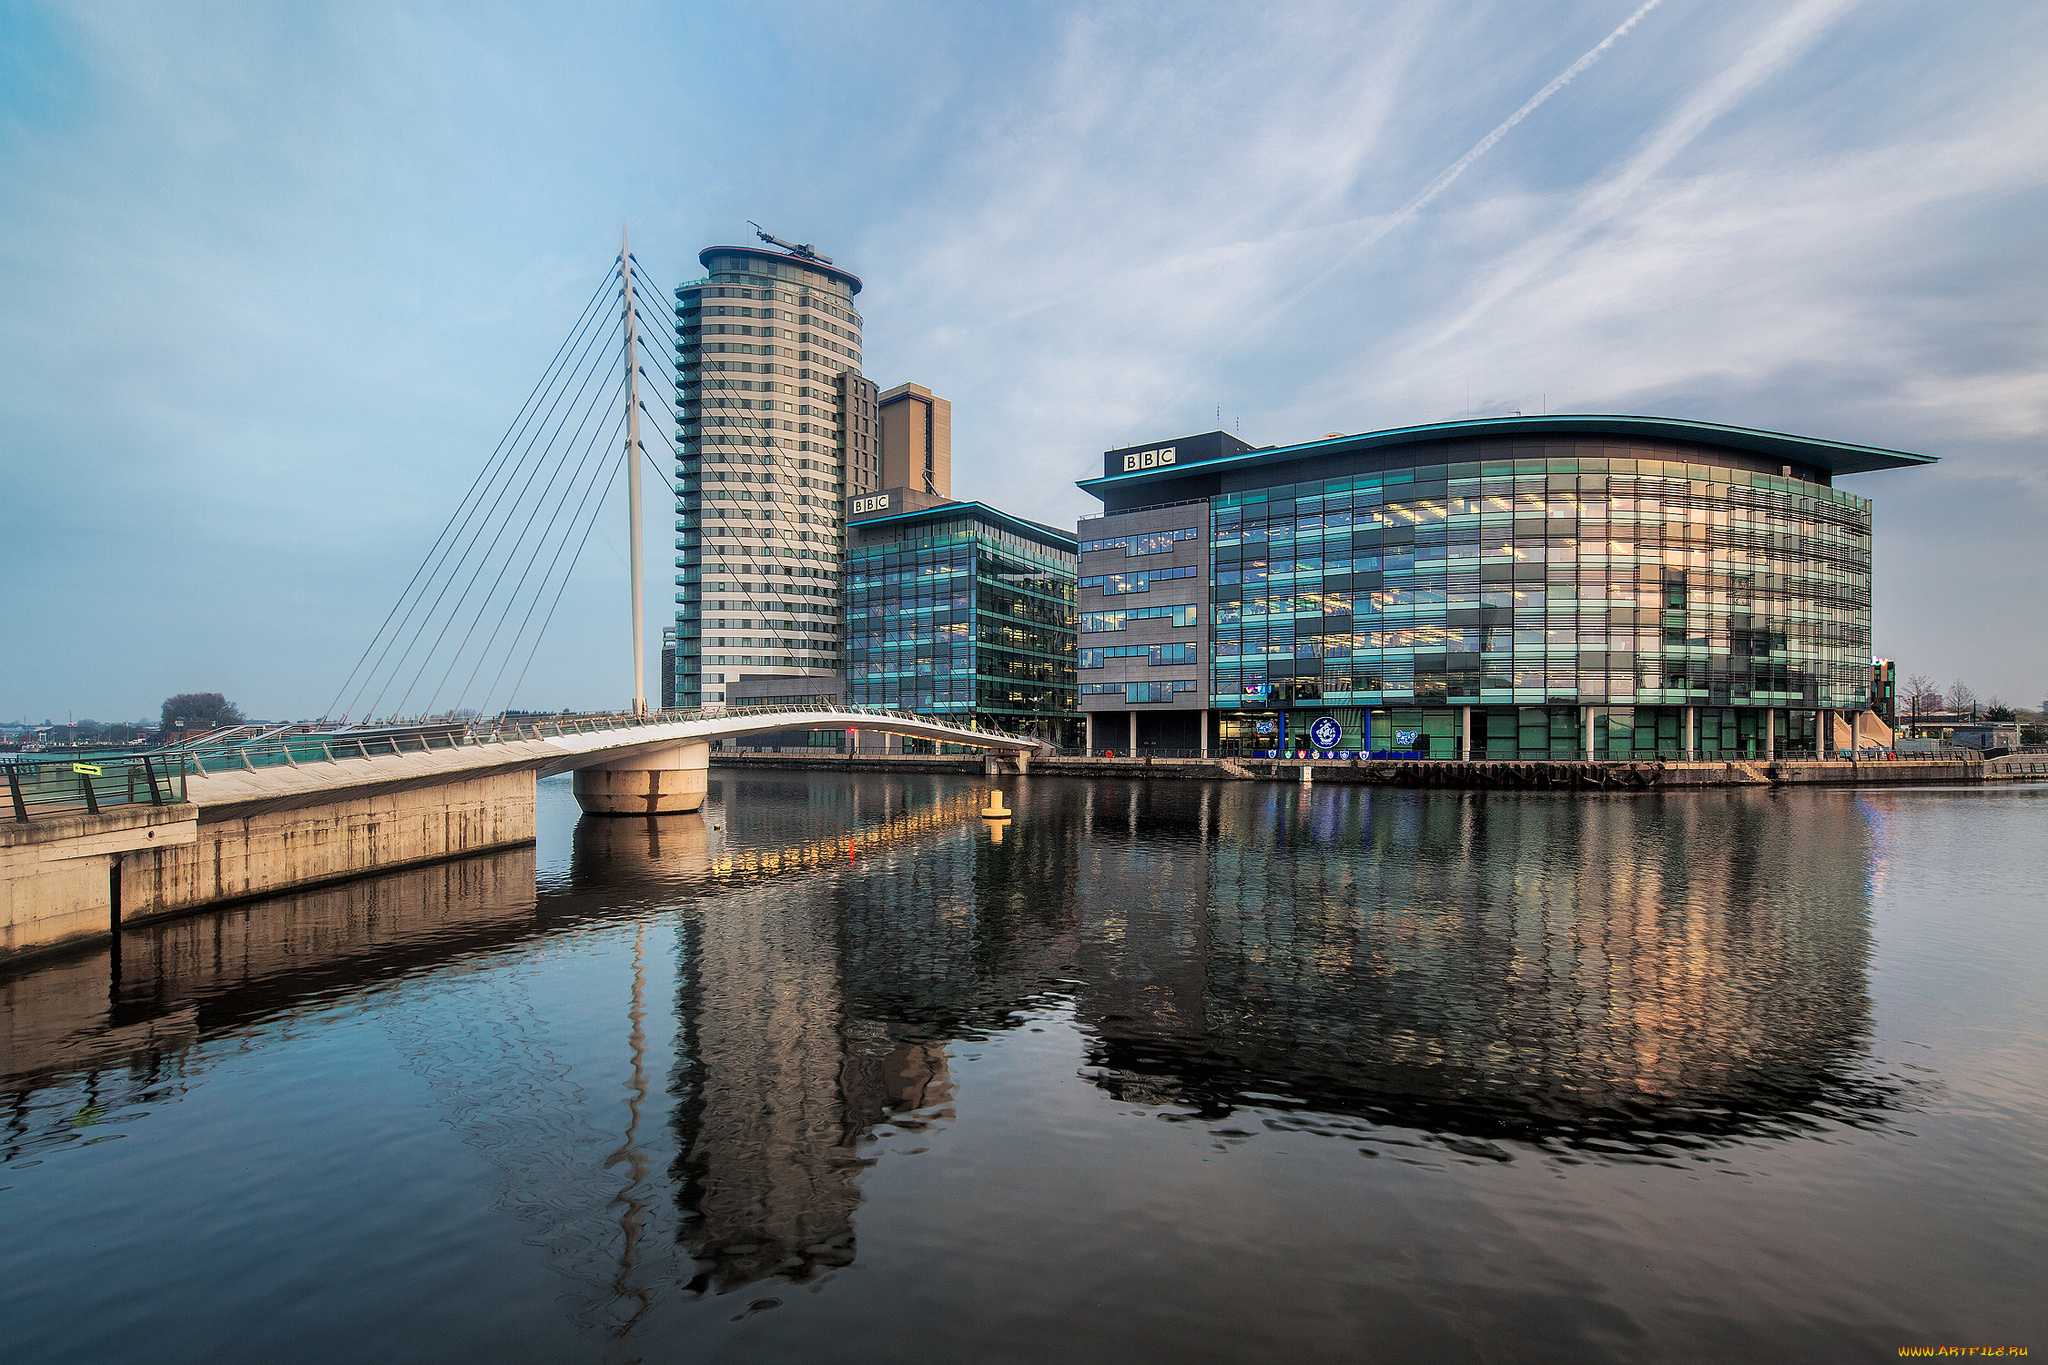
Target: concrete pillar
1690	713
666	781
1465	734
679	846
1586	733
1088	719
1770	732
1203	720
1134	733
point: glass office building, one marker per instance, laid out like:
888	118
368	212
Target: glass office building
1513	588
959	610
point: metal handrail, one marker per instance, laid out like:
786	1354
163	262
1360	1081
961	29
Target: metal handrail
57	787
45	788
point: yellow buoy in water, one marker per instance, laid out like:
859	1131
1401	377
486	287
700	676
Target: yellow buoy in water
994	809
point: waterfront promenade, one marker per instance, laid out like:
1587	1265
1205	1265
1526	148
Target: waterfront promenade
1479	774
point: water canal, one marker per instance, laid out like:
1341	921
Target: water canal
1171	1072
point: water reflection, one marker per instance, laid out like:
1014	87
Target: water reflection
1573	970
1604	975
118	1027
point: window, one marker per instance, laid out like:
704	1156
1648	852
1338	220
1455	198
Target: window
1156	654
1097	621
1138	581
1158	542
1148	543
1140	693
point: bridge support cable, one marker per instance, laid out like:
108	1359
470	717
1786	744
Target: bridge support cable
455	551
589	470
507	552
491	560
604	478
591	461
562	583
579	410
455	518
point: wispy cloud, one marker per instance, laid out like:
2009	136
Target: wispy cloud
266	271
1778	45
1375	231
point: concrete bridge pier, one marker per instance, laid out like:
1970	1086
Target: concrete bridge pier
667	781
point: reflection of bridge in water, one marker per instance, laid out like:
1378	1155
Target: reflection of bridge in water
1461	969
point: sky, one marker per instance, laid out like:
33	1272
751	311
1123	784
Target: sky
274	279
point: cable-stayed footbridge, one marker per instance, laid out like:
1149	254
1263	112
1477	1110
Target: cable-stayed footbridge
421	755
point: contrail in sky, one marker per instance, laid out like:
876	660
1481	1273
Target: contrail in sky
1485	144
1441	183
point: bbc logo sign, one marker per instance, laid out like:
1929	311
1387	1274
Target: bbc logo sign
1148	459
878	503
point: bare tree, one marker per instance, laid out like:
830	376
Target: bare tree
1921	695
1962	698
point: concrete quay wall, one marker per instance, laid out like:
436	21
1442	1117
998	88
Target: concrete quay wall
239	856
61	1018
57	875
67	881
1597	775
1481	774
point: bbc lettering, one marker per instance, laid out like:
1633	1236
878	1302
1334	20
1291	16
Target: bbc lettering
1148	459
878	503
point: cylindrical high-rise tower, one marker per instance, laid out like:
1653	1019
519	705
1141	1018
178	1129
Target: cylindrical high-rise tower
776	424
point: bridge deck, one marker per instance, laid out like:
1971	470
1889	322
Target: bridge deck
226	792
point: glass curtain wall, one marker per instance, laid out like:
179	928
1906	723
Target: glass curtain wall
960	617
1571	576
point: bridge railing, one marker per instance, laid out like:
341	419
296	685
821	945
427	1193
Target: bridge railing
47	787
58	787
538	727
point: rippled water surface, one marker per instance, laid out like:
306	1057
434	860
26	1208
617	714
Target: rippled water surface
1174	1072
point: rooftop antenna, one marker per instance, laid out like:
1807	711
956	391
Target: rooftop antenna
805	250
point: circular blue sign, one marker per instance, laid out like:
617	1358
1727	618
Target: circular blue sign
1325	733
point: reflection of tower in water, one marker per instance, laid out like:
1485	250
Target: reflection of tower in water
815	1009
777	1086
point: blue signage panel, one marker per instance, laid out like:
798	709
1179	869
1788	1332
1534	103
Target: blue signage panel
1325	733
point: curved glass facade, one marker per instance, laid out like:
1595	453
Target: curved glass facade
1549	584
